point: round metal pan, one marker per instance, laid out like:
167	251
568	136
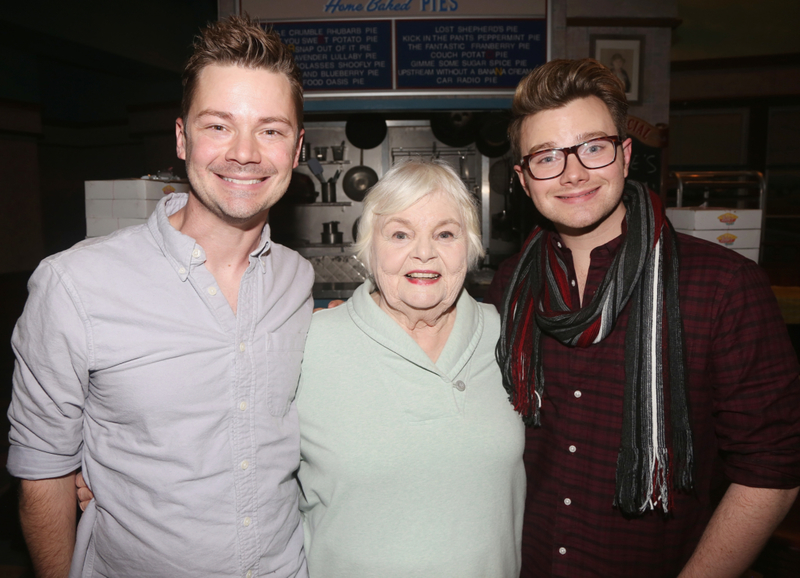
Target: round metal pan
365	131
492	138
358	181
455	129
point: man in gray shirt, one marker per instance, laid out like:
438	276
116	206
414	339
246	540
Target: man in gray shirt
163	359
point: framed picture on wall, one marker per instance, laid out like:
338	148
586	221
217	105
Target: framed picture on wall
623	55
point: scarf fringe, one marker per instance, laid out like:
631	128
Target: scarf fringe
649	488
683	460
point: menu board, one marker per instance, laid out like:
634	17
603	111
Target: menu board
341	55
468	53
415	54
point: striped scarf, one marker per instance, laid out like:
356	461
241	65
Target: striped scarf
645	273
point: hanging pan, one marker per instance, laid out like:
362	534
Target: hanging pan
359	180
364	131
492	139
455	129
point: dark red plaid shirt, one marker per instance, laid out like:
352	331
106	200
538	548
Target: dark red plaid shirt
744	399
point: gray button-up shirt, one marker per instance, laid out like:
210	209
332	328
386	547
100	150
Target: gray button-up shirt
131	364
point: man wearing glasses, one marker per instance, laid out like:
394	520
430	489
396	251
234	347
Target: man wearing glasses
653	368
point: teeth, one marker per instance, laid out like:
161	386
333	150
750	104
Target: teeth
423	275
241	182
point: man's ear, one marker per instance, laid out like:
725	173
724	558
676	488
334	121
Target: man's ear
298	147
627	150
180	139
522	180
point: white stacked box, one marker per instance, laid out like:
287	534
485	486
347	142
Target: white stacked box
112	205
737	229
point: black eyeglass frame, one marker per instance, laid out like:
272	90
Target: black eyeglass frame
526	160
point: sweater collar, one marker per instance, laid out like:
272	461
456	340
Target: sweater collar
461	343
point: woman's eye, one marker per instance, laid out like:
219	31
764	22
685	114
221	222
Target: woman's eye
446	235
399	235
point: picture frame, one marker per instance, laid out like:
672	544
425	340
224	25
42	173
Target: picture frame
624	56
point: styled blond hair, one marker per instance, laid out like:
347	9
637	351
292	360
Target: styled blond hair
405	184
240	41
559	82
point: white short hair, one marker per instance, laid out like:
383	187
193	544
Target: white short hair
405	184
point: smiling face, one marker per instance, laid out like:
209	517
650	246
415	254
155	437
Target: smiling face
240	141
419	258
581	201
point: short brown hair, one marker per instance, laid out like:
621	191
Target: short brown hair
239	41
558	83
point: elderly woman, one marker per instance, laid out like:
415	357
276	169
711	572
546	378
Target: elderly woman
411	453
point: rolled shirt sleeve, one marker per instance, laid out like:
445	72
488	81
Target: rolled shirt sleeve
756	388
51	345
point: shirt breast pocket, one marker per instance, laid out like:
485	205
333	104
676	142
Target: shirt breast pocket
284	355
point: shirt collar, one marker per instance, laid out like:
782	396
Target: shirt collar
603	252
182	250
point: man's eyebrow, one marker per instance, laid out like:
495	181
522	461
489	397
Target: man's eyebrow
218	113
274	119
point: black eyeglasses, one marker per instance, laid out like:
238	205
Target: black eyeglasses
592	154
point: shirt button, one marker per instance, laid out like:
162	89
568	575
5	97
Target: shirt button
249	574
246	522
182	271
562	550
245	464
242	347
196	253
572	449
460	385
558	244
573	282
578	393
212	290
567	501
243	406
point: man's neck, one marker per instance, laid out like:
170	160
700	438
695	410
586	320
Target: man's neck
582	242
227	246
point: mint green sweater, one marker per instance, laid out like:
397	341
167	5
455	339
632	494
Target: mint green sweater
409	468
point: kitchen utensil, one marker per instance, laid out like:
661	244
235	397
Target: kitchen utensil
500	173
337	151
321	153
329	188
502	223
492	139
359	180
355	229
316	169
365	131
329	192
455	129
331	235
305	152
463	167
